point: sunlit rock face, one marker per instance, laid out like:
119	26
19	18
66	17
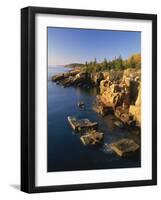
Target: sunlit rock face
135	110
121	91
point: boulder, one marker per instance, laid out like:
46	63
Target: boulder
96	78
135	110
132	74
57	77
127	81
92	138
123	114
124	147
104	84
81	104
116	76
101	109
81	124
115	88
121	92
72	77
110	99
119	124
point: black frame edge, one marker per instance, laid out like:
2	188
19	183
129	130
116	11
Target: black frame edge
154	99
93	186
24	101
94	13
28	99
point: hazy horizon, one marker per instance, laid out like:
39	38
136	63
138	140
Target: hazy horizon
71	45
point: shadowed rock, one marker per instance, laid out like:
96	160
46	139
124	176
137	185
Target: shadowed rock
124	147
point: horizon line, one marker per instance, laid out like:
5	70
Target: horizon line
93	60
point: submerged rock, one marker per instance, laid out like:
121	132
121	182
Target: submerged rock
124	147
92	138
106	148
81	104
81	124
119	124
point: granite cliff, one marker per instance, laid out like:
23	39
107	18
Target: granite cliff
120	91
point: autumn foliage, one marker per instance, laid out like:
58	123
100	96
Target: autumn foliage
134	61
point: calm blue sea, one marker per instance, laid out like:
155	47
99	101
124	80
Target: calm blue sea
65	150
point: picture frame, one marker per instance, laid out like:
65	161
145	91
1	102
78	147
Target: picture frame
29	42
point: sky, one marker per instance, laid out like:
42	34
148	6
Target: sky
71	45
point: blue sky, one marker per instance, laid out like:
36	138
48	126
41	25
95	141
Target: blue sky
67	45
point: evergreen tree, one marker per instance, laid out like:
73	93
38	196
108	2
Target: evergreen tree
118	63
105	64
86	64
132	63
95	62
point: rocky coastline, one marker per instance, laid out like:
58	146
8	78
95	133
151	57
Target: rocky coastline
120	91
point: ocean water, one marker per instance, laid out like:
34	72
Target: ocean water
65	150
